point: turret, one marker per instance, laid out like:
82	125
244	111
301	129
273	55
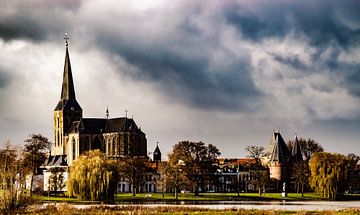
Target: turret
157	153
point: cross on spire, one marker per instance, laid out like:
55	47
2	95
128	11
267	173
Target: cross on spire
66	38
126	111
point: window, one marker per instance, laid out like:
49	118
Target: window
73	148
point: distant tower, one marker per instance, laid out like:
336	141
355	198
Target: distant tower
157	153
67	110
296	150
279	160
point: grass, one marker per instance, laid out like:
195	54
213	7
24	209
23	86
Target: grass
157	197
219	197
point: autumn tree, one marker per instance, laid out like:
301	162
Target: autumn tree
93	176
133	168
329	174
260	173
11	179
197	162
36	149
171	176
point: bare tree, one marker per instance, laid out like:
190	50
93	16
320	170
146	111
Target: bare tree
260	174
11	179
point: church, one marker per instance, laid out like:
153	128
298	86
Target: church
74	134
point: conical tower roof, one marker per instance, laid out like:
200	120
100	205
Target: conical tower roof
280	152
296	150
157	153
157	150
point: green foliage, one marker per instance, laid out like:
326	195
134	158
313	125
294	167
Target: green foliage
300	174
329	174
93	176
196	161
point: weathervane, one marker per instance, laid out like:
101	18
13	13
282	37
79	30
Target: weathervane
66	38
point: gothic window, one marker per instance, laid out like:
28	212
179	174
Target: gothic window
96	144
86	143
113	146
73	148
81	146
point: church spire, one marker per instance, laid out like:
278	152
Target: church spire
67	91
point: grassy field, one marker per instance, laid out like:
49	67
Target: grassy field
217	197
125	197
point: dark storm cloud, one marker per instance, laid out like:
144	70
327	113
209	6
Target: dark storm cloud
35	20
177	48
190	78
292	61
318	20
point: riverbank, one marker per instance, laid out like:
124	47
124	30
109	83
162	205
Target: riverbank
174	210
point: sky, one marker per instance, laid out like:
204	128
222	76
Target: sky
222	72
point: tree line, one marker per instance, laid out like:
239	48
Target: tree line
190	165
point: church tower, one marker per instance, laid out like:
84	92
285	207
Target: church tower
67	110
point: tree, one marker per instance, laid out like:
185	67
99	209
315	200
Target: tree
35	152
56	179
260	174
171	176
354	173
11	179
329	174
198	162
308	147
300	174
133	169
93	176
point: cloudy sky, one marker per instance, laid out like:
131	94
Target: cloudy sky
224	72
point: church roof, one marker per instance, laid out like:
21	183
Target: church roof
120	124
67	91
56	160
280	152
101	125
67	99
296	150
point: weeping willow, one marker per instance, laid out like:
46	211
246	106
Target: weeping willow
329	174
93	177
